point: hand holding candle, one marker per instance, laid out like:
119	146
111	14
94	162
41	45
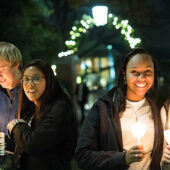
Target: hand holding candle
138	131
134	154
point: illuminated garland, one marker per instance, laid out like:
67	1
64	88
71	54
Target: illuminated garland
87	22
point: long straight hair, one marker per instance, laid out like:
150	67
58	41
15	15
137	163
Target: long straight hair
52	93
119	104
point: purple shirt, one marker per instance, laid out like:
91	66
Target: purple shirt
8	107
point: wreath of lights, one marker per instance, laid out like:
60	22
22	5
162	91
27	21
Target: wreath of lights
87	22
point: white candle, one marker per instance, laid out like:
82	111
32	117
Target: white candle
138	131
167	136
167	131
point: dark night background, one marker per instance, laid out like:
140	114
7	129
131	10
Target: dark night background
40	28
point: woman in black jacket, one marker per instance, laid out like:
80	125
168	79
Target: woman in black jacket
45	136
106	141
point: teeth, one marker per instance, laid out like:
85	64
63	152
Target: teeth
141	85
2	81
31	91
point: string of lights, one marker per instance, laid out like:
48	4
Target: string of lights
87	22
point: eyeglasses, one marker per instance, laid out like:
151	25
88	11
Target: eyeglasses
35	79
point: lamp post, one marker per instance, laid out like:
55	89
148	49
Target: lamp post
100	15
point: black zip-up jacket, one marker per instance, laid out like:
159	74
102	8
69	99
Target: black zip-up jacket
100	145
48	144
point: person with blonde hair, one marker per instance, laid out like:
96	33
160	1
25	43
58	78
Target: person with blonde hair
10	76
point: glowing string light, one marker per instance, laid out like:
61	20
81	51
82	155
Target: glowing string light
81	27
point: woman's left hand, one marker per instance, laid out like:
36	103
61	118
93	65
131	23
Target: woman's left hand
166	154
12	124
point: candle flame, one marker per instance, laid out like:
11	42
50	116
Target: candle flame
138	130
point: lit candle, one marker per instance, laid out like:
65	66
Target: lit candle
167	131
167	136
138	131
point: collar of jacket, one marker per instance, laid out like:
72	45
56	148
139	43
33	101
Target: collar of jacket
107	99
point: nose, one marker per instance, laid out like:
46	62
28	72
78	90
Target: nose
141	75
30	83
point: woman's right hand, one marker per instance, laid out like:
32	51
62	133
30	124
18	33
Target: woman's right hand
134	154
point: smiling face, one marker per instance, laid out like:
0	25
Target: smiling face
139	76
8	75
34	83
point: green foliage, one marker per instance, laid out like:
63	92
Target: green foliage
24	23
77	3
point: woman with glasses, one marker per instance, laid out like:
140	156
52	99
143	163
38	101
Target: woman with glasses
45	135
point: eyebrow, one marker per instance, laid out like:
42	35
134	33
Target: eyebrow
3	67
32	75
145	67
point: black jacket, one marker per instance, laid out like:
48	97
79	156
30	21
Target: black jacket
49	143
100	145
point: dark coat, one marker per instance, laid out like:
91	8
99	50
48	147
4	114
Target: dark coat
100	145
49	143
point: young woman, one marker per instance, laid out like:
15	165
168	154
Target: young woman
45	137
106	141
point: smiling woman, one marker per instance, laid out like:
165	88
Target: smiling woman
34	83
45	137
139	76
106	140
